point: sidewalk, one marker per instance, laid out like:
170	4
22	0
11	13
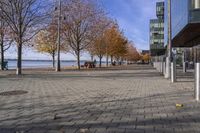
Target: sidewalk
132	100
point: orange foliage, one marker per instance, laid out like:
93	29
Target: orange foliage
132	54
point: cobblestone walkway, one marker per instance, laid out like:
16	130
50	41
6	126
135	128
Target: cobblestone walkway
134	100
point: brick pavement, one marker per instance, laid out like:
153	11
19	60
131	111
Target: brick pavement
136	99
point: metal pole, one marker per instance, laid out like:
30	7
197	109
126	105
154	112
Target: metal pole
168	59
184	60
59	41
197	79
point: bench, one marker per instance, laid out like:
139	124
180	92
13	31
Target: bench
89	64
5	65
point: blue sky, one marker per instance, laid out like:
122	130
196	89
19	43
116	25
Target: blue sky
133	17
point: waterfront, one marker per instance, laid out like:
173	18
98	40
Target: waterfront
42	64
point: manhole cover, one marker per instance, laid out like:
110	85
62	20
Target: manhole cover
13	93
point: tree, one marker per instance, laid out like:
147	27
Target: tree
132	53
46	41
79	25
120	48
116	43
5	42
146	58
98	46
24	18
110	37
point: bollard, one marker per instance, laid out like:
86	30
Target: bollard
184	67
197	79
173	71
161	67
164	68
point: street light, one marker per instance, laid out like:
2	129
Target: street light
169	58
59	40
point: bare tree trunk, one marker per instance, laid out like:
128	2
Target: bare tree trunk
92	58
111	60
2	56
78	60
53	59
107	60
100	61
19	59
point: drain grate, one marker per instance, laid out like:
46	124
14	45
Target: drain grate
13	93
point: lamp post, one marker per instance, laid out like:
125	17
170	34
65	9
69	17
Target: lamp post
169	54
59	40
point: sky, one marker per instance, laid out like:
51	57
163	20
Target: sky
132	16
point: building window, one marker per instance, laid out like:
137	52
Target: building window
195	4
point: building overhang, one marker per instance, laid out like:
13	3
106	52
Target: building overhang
188	37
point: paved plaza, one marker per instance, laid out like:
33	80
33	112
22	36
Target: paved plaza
134	99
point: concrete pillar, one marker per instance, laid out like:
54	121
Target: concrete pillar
173	70
197	79
160	70
164	68
157	66
196	4
167	68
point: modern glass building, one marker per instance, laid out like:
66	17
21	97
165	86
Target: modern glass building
185	22
157	31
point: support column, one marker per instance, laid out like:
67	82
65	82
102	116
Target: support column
164	68
161	67
197	79
173	69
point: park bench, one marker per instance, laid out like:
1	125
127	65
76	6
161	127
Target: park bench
5	65
89	64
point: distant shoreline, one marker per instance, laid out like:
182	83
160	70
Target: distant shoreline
34	60
12	63
44	60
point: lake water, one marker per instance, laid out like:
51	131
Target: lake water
41	64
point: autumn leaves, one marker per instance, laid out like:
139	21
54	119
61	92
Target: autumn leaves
85	27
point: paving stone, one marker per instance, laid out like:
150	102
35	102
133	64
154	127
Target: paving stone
134	99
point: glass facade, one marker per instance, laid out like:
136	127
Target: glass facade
160	10
183	12
180	13
157	29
